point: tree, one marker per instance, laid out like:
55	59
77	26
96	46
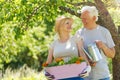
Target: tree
105	20
26	28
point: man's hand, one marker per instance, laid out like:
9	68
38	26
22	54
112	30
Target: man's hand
92	64
100	44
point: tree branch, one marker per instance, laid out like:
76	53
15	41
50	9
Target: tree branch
72	12
84	3
66	9
33	12
30	16
81	3
69	11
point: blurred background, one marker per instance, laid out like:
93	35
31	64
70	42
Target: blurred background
27	29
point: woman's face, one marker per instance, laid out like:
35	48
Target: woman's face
67	26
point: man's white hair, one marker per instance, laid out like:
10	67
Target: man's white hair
92	11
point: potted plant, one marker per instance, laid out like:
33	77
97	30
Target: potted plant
60	69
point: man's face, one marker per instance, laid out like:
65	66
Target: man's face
87	20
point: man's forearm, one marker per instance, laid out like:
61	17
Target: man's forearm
109	52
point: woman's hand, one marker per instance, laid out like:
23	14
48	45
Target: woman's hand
85	72
48	75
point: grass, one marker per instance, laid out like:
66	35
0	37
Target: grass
24	73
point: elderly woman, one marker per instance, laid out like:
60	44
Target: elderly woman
66	46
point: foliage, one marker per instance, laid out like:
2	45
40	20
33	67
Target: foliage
115	13
26	28
110	3
60	61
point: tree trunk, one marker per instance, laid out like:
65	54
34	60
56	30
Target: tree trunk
119	30
108	23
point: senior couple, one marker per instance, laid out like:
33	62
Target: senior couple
89	33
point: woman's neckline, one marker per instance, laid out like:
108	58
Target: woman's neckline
64	41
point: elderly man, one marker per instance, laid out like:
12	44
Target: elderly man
94	33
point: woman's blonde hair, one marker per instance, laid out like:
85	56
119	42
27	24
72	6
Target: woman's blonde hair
59	23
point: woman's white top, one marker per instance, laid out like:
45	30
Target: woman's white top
67	49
